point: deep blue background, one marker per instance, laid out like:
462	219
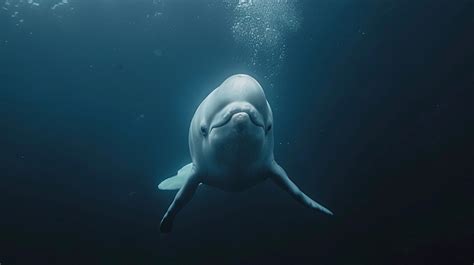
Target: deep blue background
373	112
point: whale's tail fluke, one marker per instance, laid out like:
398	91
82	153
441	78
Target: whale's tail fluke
177	181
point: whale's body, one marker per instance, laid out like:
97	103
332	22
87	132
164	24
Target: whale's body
231	146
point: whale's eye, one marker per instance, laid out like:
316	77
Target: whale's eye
269	127
203	130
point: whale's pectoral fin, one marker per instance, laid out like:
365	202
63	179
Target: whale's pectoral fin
279	176
183	196
177	181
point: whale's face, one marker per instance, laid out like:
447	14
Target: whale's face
239	124
237	132
237	120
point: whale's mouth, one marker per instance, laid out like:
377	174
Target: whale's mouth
254	116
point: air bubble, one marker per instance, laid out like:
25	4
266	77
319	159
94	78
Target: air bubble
262	26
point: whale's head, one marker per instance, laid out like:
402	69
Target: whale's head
237	125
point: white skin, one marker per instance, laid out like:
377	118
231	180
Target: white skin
231	145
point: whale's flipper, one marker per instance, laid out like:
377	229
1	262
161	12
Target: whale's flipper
183	196
279	176
177	181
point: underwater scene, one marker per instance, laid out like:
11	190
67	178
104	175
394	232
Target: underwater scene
241	132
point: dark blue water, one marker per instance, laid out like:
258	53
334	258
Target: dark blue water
373	117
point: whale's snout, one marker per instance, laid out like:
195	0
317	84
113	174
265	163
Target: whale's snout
241	121
239	114
240	117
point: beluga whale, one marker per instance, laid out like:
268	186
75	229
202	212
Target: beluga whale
231	146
